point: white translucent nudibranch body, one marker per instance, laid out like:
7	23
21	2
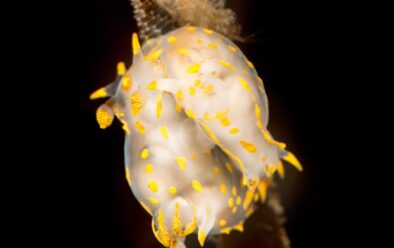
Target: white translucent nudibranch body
197	149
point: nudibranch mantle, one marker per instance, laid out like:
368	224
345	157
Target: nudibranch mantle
197	149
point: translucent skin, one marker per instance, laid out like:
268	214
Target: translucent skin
197	148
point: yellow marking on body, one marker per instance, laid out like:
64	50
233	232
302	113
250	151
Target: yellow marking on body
195	68
159	106
293	160
244	84
125	127
248	146
179	96
264	159
281	169
176	220
197	83
100	93
145	207
190	113
190	28
152	185
208	89
230	202
250	64
136	44
222	222
261	89
140	127
171	39
149	41
232	48
201	236
216	170
172	190
164	132
183	51
225	121
223	188
270	140
271	168
248	199
154	55
239	227
212	46
192	91
234	191
226	230
217	142
262	188
227	65
181	162
148	168
234	130
152	85
193	156
208	31
234	210
245	72
249	212
128	176
121	69
239	200
153	200
197	186
104	119
229	168
163	235
178	107
256	197
145	153
137	103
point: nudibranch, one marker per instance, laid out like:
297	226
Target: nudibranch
197	149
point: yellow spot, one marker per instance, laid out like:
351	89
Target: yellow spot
244	84
104	118
248	146
227	65
239	227
264	159
159	106
195	68
234	130
100	93
229	168
197	83
262	187
152	185
230	202
197	186
216	170
128	176
293	160
239	200
152	85
189	28
153	200
208	31
154	55
245	72
212	46
225	121
222	223
234	210
226	230
145	154
201	237
145	207
271	168
140	127
232	48
178	107
121	68
136	44
179	96
125	127
208	89
171	39
164	132
193	156
192	91
149	168
223	188
269	139
181	162
234	191
190	113
248	199
250	64
136	103
281	169
183	51
172	190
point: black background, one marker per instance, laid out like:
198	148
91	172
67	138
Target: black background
301	54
